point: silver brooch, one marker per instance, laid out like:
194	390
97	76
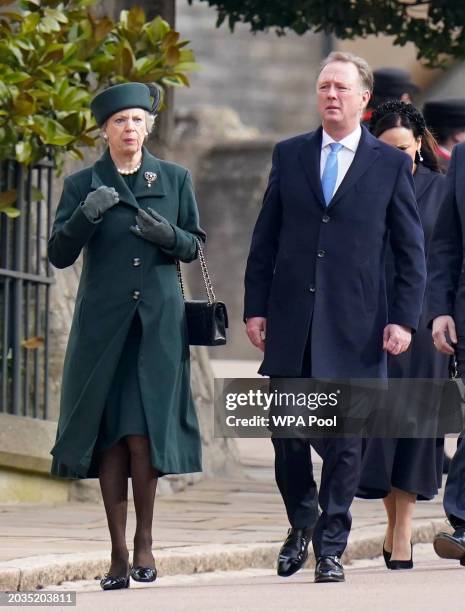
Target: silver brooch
150	177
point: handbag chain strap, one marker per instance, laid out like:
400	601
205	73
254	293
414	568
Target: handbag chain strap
206	277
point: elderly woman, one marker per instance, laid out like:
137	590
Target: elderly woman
126	406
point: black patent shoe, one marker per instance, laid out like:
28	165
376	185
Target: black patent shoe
294	551
144	574
398	564
111	583
451	546
329	569
386	556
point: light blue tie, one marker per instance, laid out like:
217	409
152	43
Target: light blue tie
329	177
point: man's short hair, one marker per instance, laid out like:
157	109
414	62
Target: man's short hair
364	70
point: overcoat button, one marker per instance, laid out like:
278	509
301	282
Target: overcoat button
136	295
321	253
136	262
325	219
312	288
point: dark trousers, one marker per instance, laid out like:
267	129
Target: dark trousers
454	492
339	482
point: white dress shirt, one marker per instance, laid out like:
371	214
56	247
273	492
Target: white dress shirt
345	156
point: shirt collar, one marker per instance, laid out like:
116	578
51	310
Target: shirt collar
349	142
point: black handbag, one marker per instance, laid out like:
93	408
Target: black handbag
207	320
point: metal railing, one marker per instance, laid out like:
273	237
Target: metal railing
25	280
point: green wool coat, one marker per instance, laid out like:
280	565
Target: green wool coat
123	274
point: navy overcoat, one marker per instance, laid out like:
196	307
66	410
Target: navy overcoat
318	272
446	273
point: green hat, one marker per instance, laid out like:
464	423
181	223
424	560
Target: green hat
127	95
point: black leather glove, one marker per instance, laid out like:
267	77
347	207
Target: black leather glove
153	227
99	201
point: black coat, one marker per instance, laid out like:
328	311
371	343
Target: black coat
413	465
320	270
422	360
446	285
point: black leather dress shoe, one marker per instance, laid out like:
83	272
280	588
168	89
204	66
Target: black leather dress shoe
329	569
294	551
451	546
144	574
110	583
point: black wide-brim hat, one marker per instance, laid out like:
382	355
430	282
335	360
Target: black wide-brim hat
392	83
445	113
127	95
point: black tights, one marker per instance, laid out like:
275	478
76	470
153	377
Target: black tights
133	451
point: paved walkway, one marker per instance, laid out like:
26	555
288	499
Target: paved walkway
215	524
222	524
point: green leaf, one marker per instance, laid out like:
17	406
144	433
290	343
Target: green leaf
31	5
30	23
16	51
10	212
188	67
172	56
157	30
16	77
36	194
47	25
56	14
24	105
135	19
103	28
23	152
51	132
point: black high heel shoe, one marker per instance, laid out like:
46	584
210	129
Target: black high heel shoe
395	564
144	574
386	556
111	583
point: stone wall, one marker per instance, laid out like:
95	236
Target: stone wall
268	80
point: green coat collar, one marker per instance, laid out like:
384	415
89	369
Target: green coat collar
104	172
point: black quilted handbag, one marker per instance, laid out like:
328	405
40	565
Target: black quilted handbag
207	320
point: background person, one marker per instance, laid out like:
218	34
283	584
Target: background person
389	84
446	120
446	306
402	470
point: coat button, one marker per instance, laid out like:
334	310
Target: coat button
321	253
136	295
136	262
312	288
325	219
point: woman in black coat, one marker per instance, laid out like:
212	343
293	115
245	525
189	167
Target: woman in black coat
402	470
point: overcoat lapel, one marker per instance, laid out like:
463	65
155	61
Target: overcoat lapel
309	155
104	172
367	152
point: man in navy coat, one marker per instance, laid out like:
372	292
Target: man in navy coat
446	307
315	296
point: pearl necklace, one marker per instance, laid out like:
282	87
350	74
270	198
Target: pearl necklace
133	171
